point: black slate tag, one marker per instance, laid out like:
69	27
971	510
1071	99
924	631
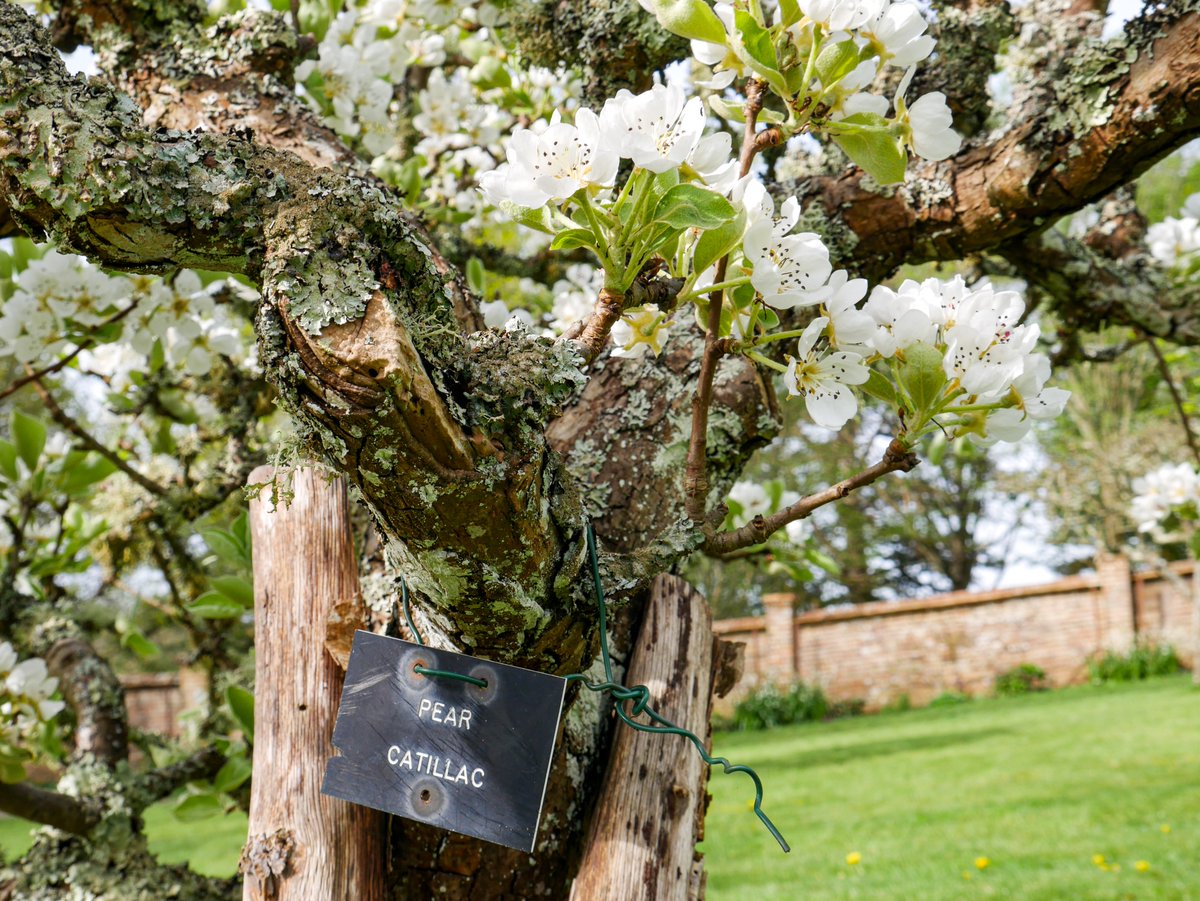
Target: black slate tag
442	751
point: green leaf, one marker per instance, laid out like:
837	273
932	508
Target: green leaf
235	771
211	605
756	40
29	435
199	807
836	61
575	237
83	476
716	242
936	452
879	387
881	154
691	19
142	646
8	460
923	378
241	705
690	206
225	545
824	561
236	589
725	109
538	219
789	12
241	531
475	275
11	773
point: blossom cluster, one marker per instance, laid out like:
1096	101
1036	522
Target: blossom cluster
950	349
1166	502
1175	242
26	692
367	50
472	92
58	300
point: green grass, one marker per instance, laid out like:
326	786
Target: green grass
1036	784
210	846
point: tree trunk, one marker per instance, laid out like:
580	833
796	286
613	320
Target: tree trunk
641	841
302	845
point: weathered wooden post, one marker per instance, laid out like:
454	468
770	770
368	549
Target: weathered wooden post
641	841
302	845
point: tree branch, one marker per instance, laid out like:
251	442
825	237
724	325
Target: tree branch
1184	420
1121	106
695	478
50	808
94	693
897	458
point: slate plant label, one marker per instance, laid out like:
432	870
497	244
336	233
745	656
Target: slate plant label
441	751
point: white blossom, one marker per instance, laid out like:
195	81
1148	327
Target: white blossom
641	331
822	380
657	129
789	269
552	165
898	34
843	15
1172	489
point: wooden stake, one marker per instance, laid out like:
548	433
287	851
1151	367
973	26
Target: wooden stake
302	845
641	841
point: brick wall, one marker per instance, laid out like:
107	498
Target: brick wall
155	701
962	640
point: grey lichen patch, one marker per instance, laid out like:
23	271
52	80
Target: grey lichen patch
519	383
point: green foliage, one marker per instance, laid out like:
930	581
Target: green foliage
769	706
872	147
1142	661
1022	679
950	699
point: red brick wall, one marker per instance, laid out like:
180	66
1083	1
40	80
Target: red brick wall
960	641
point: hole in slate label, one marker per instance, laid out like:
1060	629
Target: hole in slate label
485	693
373	372
408	675
427	798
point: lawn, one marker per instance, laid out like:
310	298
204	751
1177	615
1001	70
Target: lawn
1038	785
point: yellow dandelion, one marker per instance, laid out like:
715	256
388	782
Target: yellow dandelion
1165	828
1142	866
853	858
1098	860
982	863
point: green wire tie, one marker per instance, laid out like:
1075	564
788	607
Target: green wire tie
424	670
639	694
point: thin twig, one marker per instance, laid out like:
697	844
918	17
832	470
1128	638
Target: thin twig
65	361
1184	419
61	417
897	458
695	480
